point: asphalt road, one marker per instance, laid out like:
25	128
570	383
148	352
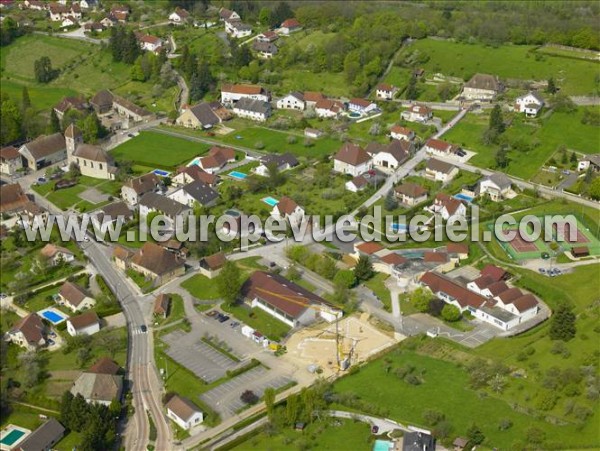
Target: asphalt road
145	388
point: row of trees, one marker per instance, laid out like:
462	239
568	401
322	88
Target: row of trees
123	45
197	71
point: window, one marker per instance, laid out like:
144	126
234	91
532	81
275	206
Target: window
100	166
85	162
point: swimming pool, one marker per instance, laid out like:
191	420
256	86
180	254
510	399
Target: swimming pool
238	175
161	173
383	445
53	315
12	435
270	201
464	197
354	115
195	161
398	227
413	255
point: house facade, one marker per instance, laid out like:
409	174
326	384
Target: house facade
385	91
440	171
157	263
417	113
184	412
256	110
293	101
351	159
29	333
361	106
74	297
44	151
195	193
199	116
497	186
482	87
85	324
410	194
10	160
402	133
530	104
287	209
135	188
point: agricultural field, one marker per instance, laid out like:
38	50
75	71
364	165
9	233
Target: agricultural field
84	68
542	137
158	150
574	77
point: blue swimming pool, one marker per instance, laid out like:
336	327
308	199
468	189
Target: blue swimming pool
354	115
161	173
238	175
464	197
413	255
398	227
195	161
270	201
383	445
53	316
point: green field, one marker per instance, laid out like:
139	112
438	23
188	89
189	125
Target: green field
326	434
543	136
201	287
84	68
158	150
574	77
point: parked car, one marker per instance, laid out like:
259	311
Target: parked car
374	429
2	295
143	328
211	313
542	271
51	342
42	180
223	318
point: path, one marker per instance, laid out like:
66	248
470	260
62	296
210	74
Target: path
387	69
42	409
76	34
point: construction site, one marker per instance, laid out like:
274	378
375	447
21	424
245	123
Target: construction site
335	347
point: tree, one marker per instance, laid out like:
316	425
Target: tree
91	128
475	435
563	104
43	71
573	158
344	278
496	120
562	324
53	123
25	100
291	409
390	203
501	157
420	298
269	397
411	89
551	88
364	268
229	282
450	313
249	397
10	121
326	267
594	189
293	273
264	16
281	12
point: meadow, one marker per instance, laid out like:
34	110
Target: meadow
158	150
573	76
544	136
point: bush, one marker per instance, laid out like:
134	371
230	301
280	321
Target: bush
259	145
450	313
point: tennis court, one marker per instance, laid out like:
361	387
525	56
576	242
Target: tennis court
584	236
518	248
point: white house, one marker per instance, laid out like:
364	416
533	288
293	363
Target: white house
448	207
57	254
74	297
440	170
237	28
179	16
152	202
399	132
184	412
227	14
269	291
87	323
194	193
357	184
361	106
289	26
232	93
389	156
68	21
281	162
351	159
10	160
417	113
134	189
530	104
497	186
256	110
482	87
150	43
439	148
29	332
592	161
327	108
293	101
289	210
216	159
385	91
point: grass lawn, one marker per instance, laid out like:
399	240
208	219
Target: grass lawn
158	150
277	142
507	61
377	285
145	285
42	97
259	320
324	434
201	287
545	135
442	384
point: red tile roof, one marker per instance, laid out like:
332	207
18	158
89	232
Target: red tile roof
286	205
369	247
104	365
525	302
494	272
465	298
31	327
290	23
352	154
394	259
242	89
435	257
457	248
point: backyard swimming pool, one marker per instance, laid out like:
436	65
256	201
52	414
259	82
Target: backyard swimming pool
161	173
398	227
238	175
53	315
464	197
11	435
354	115
270	201
413	255
195	161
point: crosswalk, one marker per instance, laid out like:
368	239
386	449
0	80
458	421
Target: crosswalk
138	332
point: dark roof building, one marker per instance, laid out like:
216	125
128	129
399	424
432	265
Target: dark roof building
44	437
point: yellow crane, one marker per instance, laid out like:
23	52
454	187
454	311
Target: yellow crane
342	364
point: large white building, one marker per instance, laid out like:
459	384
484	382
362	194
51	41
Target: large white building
351	159
184	412
232	93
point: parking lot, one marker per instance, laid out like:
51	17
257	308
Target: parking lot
204	361
225	398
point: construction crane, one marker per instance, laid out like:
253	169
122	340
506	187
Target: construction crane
342	364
